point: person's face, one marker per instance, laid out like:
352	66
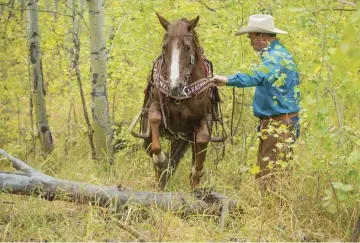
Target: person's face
258	42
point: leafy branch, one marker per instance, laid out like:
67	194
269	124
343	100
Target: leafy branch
206	6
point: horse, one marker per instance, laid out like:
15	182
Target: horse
180	102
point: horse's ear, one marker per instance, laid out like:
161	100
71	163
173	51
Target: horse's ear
193	23
163	21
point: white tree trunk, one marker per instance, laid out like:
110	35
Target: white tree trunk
76	43
79	15
2	7
38	91
47	5
100	105
56	8
51	188
35	183
70	11
79	24
22	2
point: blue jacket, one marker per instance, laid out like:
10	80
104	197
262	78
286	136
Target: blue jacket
276	80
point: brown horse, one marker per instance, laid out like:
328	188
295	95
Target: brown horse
180	102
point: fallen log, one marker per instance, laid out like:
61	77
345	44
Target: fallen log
35	183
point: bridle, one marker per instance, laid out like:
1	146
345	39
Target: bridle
189	89
187	78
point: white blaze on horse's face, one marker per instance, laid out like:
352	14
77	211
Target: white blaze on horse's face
175	66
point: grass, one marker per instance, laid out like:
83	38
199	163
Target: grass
295	215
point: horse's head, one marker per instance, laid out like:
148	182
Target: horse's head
179	49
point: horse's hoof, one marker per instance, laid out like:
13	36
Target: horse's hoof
195	177
159	158
202	138
161	163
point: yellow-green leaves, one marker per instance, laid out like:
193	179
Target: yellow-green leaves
255	170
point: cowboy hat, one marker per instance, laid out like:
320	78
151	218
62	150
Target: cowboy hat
262	23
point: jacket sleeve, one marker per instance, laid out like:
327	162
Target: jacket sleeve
264	72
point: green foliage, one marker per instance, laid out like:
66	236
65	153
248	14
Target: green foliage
324	42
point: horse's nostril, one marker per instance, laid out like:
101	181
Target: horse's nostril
175	90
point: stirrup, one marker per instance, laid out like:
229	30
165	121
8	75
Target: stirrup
145	135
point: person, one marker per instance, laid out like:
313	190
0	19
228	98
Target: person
276	98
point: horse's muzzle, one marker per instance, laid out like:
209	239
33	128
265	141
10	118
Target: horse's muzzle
176	91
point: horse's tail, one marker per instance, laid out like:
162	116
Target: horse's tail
178	149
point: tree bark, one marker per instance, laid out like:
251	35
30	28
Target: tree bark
56	8
2	8
70	10
100	105
103	196
22	10
79	15
31	105
76	64
47	5
38	90
35	183
80	23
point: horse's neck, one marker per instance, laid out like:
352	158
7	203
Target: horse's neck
198	69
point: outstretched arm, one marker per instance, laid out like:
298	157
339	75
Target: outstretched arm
263	72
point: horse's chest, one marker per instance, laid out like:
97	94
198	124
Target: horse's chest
186	114
181	112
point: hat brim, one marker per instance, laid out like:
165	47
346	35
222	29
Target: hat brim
251	29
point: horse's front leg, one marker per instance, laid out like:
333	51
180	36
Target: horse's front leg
159	158
155	119
204	132
199	151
